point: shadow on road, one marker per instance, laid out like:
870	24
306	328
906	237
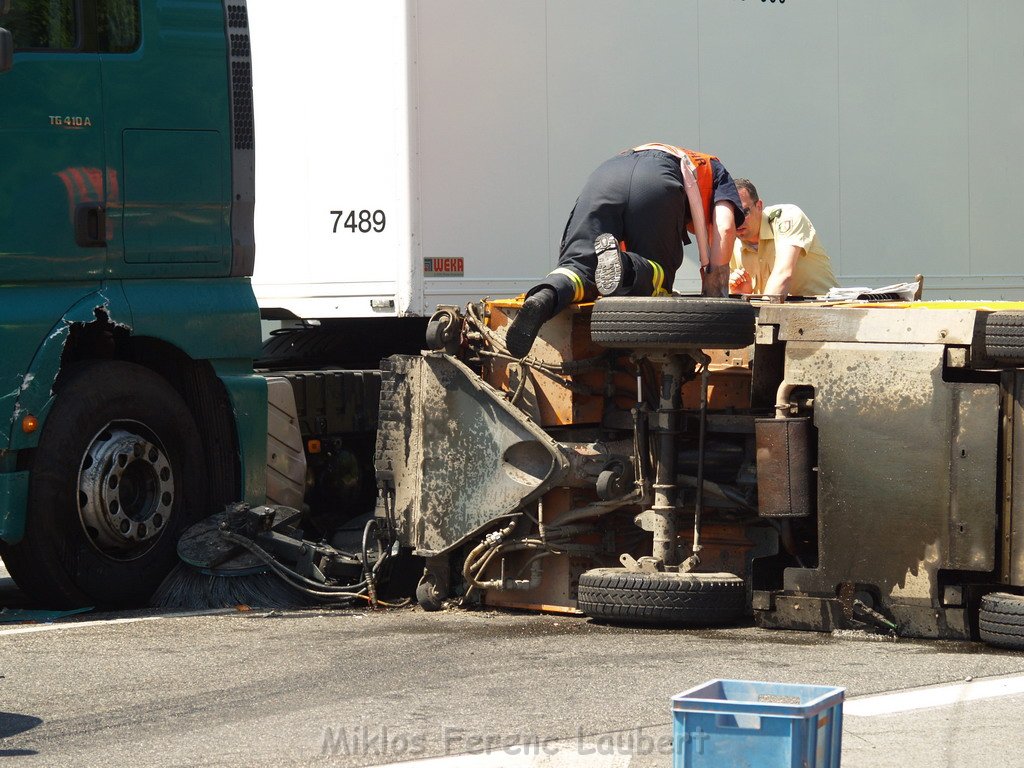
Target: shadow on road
12	724
10	595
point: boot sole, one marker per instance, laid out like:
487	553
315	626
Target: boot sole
608	275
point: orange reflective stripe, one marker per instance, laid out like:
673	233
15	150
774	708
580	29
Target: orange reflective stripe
701	170
705	182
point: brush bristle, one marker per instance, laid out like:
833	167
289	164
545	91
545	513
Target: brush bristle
188	588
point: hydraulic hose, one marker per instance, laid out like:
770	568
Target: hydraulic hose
297	579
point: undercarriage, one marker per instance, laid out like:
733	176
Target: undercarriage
696	461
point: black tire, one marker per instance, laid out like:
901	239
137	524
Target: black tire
620	596
355	344
117	477
1003	337
1001	620
429	596
304	347
670	322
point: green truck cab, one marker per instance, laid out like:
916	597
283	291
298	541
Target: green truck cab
128	403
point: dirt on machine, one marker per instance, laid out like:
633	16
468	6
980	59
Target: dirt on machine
693	461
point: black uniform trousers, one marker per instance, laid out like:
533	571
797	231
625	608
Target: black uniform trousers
639	198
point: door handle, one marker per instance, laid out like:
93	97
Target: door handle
90	225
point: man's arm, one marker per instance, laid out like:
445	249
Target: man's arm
723	236
786	255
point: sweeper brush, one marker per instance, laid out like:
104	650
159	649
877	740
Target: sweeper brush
256	556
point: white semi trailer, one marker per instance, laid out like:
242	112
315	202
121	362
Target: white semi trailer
415	153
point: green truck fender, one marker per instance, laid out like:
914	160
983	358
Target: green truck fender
35	395
214	319
179	313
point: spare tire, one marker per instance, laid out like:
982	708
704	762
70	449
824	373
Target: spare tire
670	322
1001	620
666	598
1003	337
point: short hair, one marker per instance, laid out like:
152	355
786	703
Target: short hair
748	185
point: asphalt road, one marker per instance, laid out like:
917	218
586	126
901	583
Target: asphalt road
354	687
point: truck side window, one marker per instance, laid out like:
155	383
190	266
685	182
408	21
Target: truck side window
117	24
47	25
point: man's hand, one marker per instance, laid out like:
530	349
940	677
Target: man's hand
715	281
740	281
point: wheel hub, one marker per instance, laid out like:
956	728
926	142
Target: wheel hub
125	492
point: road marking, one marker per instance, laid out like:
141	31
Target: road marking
565	756
107	622
555	758
933	696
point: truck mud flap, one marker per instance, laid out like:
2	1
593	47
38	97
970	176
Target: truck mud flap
456	453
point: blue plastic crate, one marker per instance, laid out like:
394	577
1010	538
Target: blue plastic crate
744	724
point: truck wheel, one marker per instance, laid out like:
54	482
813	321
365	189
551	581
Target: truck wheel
117	476
1003	334
669	322
303	346
1001	620
627	597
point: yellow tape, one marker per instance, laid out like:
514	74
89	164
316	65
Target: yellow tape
577	282
658	280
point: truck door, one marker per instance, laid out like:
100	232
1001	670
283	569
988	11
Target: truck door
172	155
54	186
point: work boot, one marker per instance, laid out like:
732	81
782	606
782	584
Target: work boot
536	310
611	268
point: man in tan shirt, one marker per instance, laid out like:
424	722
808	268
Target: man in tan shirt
777	251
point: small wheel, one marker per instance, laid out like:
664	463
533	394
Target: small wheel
613	481
428	595
1001	620
664	598
671	322
442	332
117	477
1003	337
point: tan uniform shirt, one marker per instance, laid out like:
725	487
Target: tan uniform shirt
787	224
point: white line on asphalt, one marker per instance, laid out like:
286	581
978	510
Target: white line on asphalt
553	758
564	756
106	622
933	696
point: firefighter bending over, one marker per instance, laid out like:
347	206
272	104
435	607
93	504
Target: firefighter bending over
626	233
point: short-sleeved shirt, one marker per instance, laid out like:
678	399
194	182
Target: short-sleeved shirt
786	224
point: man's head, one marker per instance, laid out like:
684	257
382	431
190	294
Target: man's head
750	231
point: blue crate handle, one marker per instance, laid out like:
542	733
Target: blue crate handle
713	696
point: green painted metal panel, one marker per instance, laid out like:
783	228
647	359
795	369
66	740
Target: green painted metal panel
13	505
209	319
171	149
30	318
174	217
248	393
51	132
35	394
